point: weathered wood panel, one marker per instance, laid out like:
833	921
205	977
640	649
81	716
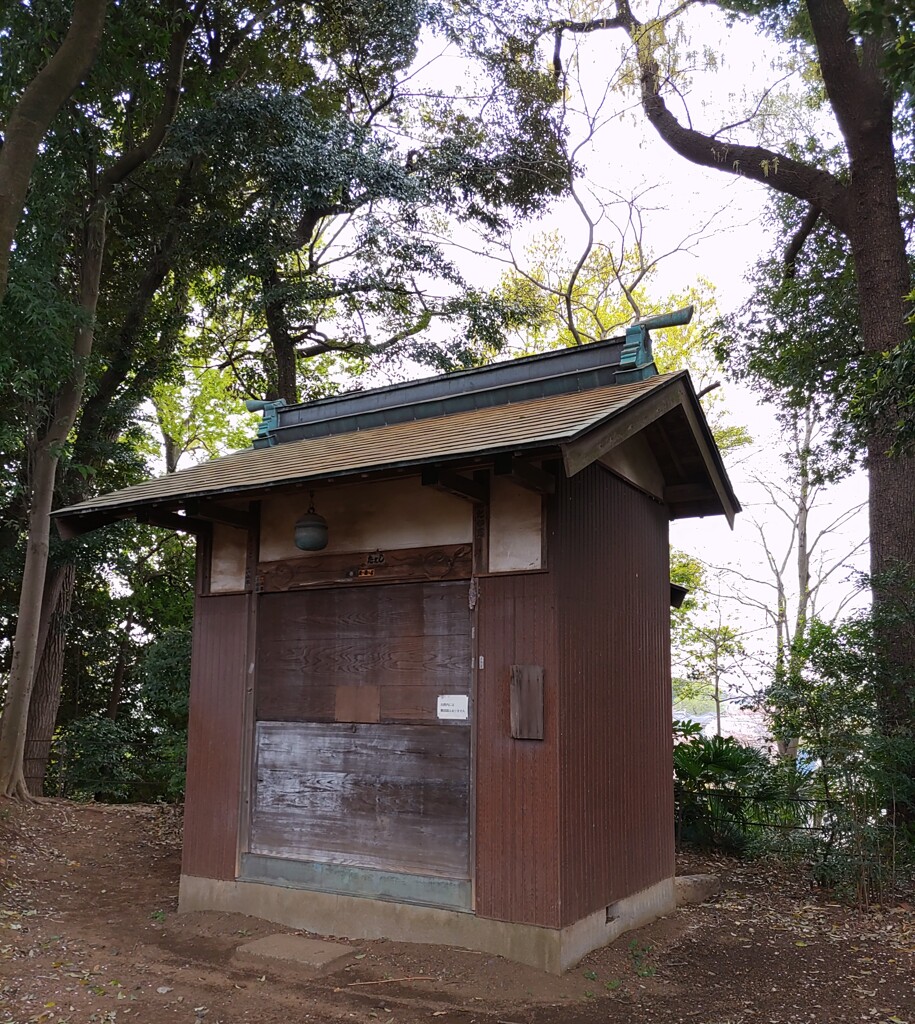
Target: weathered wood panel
335	661
410	641
448	562
404	704
402	610
389	797
215	725
527	702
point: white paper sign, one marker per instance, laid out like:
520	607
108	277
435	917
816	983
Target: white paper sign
453	705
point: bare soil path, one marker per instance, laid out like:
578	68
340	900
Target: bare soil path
89	933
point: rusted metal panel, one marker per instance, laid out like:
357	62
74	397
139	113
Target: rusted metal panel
517	789
215	726
610	561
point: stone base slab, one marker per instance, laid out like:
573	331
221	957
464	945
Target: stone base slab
549	949
313	953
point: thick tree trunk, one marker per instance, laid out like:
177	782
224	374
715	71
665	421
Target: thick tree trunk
883	282
19	688
30	118
285	385
46	692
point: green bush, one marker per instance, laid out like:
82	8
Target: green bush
717	783
141	754
94	758
861	762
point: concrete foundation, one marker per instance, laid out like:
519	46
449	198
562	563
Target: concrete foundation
550	949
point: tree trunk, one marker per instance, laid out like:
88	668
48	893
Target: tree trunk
32	115
45	454
19	689
285	385
46	693
883	281
120	669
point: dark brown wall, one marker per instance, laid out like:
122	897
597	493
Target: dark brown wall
611	563
218	671
517	793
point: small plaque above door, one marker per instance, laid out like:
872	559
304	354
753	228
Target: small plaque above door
453	706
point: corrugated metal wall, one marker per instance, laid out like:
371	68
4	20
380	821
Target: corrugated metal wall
517	781
218	672
611	565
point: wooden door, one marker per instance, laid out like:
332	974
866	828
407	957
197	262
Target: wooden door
354	764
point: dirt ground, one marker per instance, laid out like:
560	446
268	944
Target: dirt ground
89	933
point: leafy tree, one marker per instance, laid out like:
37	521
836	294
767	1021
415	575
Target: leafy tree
34	105
860	198
125	229
604	293
862	772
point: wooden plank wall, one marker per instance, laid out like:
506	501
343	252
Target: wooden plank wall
391	797
215	726
353	766
517	792
611	562
410	642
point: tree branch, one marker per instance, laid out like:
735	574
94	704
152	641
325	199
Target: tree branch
32	115
778	171
797	240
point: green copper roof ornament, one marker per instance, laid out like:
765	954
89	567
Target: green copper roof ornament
269	423
636	360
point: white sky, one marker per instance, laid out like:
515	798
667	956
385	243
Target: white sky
721	215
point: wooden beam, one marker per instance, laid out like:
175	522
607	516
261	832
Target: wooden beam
170	521
711	464
76	525
476	490
533	478
678	493
588	448
361	568
219	514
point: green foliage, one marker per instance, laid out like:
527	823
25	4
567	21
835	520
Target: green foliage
164	698
894	22
717	781
166	678
608	294
94	758
843	709
797	339
141	753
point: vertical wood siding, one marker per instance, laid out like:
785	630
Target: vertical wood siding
517	788
610	559
216	721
